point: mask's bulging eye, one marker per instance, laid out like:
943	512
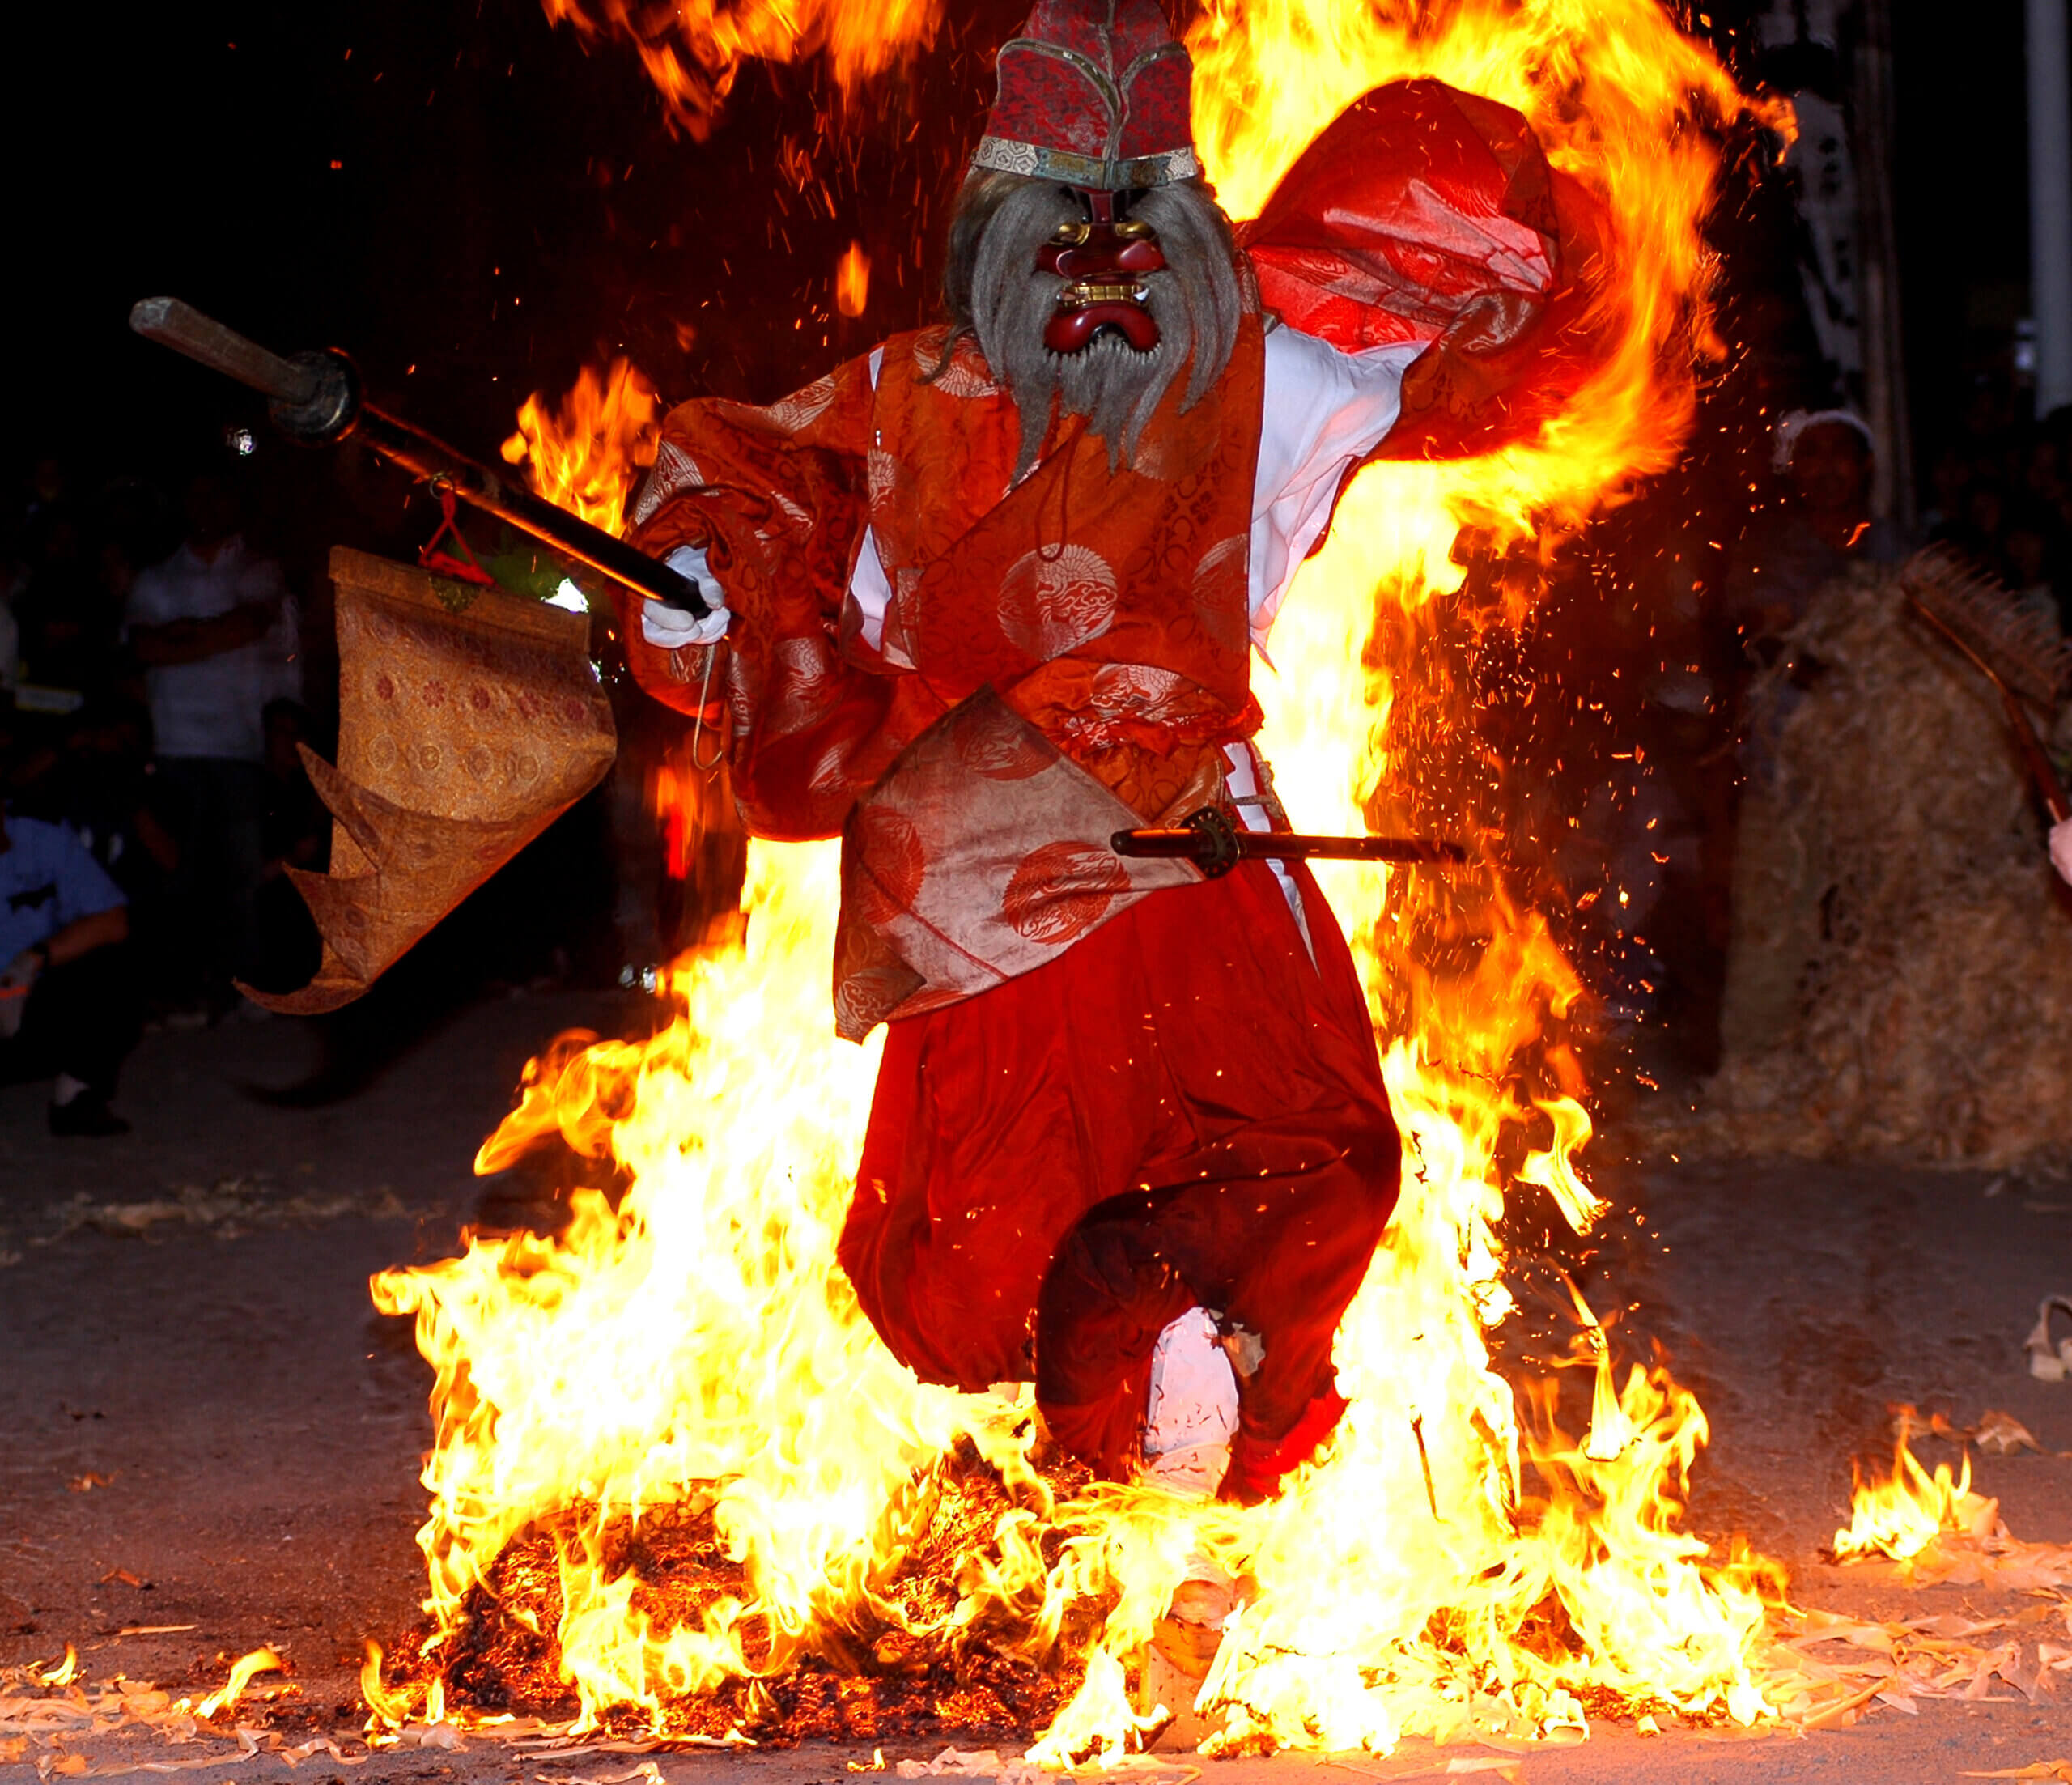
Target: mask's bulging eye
1072	235
1130	229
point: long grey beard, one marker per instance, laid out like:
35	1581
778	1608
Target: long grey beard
1194	302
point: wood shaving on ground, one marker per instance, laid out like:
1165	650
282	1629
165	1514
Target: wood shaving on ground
1825	1671
48	1722
1998	1433
646	1770
228	1208
2001	1434
2042	1768
987	1763
1899	975
2048	1363
1818	1671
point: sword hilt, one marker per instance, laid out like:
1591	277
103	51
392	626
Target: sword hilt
1214	844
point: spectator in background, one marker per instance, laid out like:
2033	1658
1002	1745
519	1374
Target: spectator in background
14	578
42	502
216	630
68	626
68	1006
2049	470
101	786
294	832
1821	524
2032	557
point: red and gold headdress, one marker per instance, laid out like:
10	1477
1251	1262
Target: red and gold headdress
1094	93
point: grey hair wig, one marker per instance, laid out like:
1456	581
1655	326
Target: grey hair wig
993	292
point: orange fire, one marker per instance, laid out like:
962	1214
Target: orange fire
588	452
852	280
1901	1516
1456	1564
694	50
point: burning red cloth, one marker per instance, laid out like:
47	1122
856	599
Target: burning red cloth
1424	214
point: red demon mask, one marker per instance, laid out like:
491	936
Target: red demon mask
1094	94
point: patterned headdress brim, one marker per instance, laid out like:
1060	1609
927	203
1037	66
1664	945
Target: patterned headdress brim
1003	155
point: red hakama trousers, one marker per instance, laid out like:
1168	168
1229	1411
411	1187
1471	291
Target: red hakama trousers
1181	1110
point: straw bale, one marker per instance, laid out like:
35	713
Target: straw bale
1899	978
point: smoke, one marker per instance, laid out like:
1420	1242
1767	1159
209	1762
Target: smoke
994	291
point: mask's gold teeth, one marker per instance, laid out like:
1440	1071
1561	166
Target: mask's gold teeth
1081	292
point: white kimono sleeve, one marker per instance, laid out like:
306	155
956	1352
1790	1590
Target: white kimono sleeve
1325	411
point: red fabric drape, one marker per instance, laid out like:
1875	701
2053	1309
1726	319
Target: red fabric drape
1424	214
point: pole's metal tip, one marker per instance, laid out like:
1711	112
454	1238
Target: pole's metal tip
148	314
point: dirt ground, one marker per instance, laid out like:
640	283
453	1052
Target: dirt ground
207	1433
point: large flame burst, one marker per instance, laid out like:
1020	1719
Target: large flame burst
1449	1566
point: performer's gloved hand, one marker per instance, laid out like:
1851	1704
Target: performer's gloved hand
2061	850
672	628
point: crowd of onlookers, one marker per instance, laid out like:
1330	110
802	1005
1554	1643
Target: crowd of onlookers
2000	495
150	712
2002	492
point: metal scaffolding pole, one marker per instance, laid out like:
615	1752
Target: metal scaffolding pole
1874	133
2050	201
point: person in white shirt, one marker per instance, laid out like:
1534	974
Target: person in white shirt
216	630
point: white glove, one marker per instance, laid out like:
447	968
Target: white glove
2061	850
672	628
15	984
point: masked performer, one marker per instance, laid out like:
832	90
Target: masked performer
988	595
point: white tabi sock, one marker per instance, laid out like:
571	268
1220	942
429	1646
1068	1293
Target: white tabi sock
1191	1412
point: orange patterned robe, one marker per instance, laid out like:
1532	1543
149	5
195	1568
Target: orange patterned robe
1111	1091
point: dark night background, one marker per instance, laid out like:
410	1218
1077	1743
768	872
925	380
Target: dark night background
459	194
463	188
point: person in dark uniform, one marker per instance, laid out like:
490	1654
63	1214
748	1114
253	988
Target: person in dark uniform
67	1002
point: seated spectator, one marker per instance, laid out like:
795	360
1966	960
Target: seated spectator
68	1006
216	630
1821	523
98	782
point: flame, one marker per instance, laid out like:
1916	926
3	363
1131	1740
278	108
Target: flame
61	1673
852	280
389	1709
586	454
1900	1516
242	1672
1456	1563
694	50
